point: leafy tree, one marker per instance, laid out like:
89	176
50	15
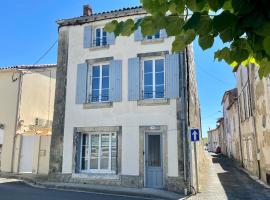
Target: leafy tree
242	25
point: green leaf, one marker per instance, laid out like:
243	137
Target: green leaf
119	28
193	22
128	27
178	44
264	30
223	54
206	41
264	69
224	21
189	36
205	26
266	45
148	26
215	5
191	4
110	27
177	6
228	6
174	25
226	35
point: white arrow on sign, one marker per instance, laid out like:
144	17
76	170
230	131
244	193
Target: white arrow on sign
195	134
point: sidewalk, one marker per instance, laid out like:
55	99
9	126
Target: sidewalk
116	190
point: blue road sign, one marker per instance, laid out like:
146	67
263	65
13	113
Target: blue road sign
195	135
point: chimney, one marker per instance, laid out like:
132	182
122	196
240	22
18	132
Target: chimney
87	10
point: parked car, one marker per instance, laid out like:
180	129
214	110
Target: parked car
218	150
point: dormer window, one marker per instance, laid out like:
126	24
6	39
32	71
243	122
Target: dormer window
100	38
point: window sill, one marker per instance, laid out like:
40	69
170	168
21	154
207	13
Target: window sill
97	105
153	41
153	102
94	176
99	47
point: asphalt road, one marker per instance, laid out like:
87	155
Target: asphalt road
21	191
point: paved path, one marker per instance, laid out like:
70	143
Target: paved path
224	181
10	190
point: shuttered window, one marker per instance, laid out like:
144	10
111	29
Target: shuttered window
153	78
97	37
100	82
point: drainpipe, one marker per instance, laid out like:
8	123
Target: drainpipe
251	99
240	133
20	79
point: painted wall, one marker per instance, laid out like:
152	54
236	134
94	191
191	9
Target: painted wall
37	96
126	113
8	108
248	134
261	103
40	156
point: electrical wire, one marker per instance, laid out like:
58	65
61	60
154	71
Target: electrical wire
46	52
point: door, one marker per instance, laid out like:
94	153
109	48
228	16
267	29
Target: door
153	160
26	156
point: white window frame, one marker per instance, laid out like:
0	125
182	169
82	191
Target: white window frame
154	76
101	37
101	171
90	81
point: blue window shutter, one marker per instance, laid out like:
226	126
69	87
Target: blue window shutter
77	141
81	83
133	79
110	38
115	92
172	76
87	38
163	33
138	33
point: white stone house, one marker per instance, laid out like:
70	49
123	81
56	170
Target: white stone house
121	107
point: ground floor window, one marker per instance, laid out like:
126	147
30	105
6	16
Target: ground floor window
99	152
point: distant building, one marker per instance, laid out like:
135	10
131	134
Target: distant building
246	122
213	139
26	114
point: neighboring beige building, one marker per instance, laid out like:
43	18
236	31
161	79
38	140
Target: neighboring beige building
247	122
231	125
260	107
26	114
213	139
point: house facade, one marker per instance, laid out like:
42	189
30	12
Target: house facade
121	109
231	124
213	139
26	115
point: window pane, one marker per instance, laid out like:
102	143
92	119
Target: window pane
96	71
148	79
154	151
150	37
157	35
114	152
105	82
105	70
98	32
148	92
95	95
160	78
159	65
104	157
105	95
148	66
95	83
94	151
84	161
160	91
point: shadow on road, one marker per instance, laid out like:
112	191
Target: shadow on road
237	184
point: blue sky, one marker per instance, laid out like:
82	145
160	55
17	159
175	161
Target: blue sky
29	29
